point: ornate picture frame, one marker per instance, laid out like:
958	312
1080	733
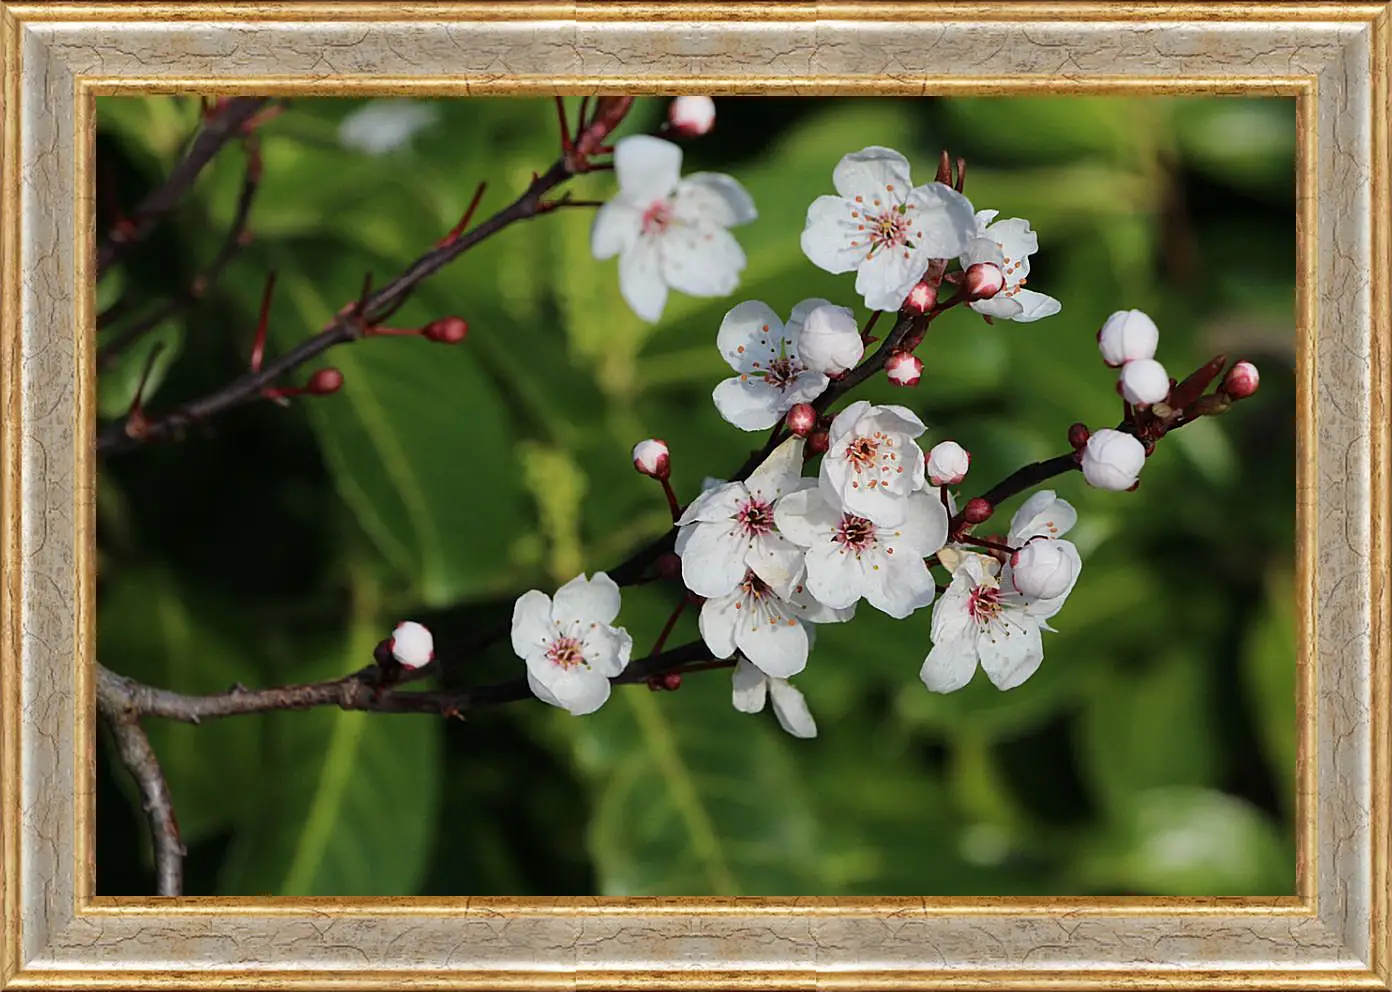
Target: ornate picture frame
1333	59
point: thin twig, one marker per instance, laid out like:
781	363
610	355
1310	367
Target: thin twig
346	326
140	760
224	126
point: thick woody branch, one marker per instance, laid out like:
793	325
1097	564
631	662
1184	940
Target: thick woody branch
221	128
133	747
122	435
360	691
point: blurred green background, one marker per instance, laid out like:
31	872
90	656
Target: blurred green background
1153	753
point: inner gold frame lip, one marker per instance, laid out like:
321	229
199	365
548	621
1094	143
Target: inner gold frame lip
1376	15
1301	904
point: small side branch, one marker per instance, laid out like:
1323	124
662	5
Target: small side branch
138	756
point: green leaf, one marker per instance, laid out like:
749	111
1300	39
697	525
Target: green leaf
157	631
346	801
1269	675
1150	728
1191	842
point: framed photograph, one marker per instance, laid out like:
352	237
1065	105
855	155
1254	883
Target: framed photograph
695	495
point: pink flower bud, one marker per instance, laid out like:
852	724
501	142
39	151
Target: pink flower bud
691	116
446	330
1144	381
829	340
983	281
977	510
948	462
1241	381
1127	336
1041	570
650	457
922	298
903	369
818	442
1078	435
1112	460
411	645
324	382
801	419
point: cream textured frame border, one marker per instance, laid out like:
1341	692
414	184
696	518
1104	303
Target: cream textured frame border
1333	58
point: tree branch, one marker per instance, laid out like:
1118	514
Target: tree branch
122	435
138	756
225	125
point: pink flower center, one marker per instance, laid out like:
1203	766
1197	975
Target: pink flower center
566	652
781	372
889	229
984	604
855	533
755	518
861	453
657	218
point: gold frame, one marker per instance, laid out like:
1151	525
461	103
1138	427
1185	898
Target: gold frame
1333	58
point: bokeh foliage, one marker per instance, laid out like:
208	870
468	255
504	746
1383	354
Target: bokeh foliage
1152	753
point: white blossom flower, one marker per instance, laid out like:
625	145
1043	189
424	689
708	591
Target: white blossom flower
1144	381
980	620
1007	244
849	557
1045	567
882	227
948	463
765	625
382	126
1042	569
412	645
669	231
872	462
1127	336
730	528
751	687
772	375
569	644
1112	460
829	340
691	116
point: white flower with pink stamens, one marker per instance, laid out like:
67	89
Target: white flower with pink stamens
850	557
882	227
570	646
771	376
730	529
1007	244
765	624
669	231
872	462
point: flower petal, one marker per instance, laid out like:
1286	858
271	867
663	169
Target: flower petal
780	472
868	171
1015	238
717	623
886	277
640	280
586	601
647	168
776	560
776	644
806	518
998	307
882	507
897	588
828	233
1010	650
720	502
713	198
541	692
949	666
713	559
532	628
798	316
1034	306
891	418
945	218
750	332
835	577
579	691
790	708
616	229
1042	515
701	261
1043	609
749	404
924	529
607	649
748	687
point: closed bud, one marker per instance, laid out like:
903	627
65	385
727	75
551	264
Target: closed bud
324	382
922	298
904	369
1241	381
983	281
829	340
650	457
1041	570
1144	381
948	462
1112	460
818	442
446	330
802	419
1078	435
691	116
977	510
1127	336
412	645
